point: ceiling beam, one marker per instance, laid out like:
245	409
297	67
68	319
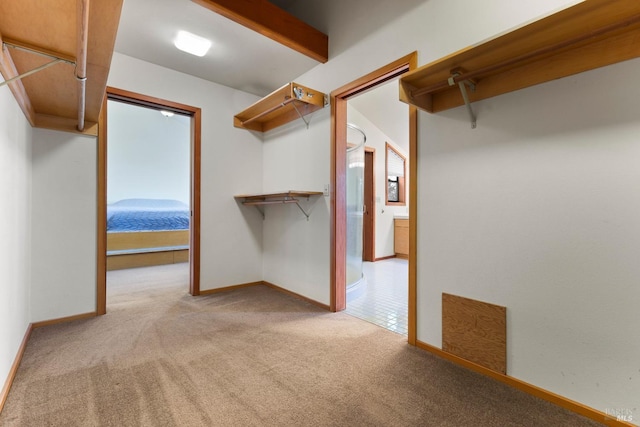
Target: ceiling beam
275	23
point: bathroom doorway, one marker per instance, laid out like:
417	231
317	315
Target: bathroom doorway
377	271
339	175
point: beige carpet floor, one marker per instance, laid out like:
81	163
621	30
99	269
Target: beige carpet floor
249	357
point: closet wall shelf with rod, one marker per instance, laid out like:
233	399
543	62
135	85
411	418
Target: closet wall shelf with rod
291	196
589	35
292	101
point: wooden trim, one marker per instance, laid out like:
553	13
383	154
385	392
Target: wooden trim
549	396
298	296
65	124
338	193
64	319
369	225
101	231
14	367
272	22
196	183
413	218
146	259
9	71
230	288
268	284
338	202
382	258
149	101
196	159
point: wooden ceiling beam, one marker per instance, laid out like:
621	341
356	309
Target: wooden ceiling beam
275	23
9	71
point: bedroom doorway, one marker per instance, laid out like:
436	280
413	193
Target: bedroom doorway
148	186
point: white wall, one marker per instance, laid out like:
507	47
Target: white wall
296	251
15	220
63	224
231	234
384	213
148	154
535	210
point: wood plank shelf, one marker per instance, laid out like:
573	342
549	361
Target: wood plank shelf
291	196
292	101
591	34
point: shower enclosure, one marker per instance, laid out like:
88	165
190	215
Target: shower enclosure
356	139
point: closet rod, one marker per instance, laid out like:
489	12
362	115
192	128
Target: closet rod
81	61
270	110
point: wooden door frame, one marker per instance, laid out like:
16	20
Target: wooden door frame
194	224
338	225
370	229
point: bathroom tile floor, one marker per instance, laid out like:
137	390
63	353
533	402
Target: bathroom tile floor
385	296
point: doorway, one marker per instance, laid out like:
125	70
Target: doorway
167	109
338	181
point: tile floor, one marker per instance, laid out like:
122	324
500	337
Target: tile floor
384	295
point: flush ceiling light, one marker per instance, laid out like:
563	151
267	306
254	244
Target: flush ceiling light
166	113
191	43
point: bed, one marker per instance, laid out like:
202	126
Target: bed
142	232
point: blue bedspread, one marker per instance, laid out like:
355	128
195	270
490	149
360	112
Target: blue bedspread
147	215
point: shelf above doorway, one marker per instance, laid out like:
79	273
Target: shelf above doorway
589	35
292	101
290	196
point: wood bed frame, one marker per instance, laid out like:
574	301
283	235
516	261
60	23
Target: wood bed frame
161	248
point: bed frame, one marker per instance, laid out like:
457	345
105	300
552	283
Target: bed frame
145	248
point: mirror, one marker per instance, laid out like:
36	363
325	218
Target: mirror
395	173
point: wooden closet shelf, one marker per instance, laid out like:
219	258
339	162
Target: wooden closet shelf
292	101
591	34
292	196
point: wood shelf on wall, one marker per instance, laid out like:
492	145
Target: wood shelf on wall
291	196
591	34
292	101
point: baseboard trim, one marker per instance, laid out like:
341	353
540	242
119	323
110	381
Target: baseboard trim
382	258
295	295
63	319
229	288
268	284
561	401
14	368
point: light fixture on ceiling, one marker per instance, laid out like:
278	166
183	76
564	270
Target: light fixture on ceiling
191	43
166	113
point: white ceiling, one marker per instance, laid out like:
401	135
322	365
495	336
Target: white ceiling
383	108
239	58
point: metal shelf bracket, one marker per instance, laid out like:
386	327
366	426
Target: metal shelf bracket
55	60
463	90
